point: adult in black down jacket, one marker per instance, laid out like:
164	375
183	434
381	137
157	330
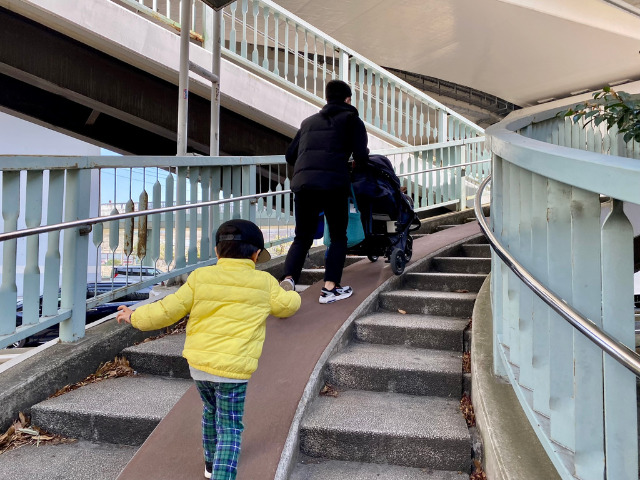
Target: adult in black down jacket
320	155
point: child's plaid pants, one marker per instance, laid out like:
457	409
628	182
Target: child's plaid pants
222	426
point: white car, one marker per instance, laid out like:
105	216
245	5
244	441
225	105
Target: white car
134	272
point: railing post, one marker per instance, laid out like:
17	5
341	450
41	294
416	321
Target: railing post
620	402
587	293
8	288
75	255
442	126
562	398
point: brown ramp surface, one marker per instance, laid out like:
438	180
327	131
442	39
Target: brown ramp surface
292	348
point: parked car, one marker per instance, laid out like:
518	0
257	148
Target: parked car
134	272
93	314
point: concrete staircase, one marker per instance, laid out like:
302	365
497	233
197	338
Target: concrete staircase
124	411
392	408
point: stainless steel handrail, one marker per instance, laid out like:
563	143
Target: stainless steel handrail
619	351
25	232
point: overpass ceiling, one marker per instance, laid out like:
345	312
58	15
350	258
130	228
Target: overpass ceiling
524	51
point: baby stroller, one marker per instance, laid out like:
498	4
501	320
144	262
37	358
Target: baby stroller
386	212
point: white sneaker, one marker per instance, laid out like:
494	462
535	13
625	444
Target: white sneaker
288	284
338	293
207	473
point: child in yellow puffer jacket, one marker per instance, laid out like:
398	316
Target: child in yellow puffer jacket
228	305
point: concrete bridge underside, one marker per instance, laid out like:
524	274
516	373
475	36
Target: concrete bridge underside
62	83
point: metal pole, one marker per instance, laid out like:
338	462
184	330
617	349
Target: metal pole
215	85
183	86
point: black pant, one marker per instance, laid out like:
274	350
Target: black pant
308	205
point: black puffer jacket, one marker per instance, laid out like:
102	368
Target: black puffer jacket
321	149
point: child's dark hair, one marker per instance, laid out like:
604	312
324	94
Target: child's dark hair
234	249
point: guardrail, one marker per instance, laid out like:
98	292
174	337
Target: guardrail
200	192
263	37
172	207
550	182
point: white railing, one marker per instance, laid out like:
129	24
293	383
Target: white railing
38	192
550	190
261	36
441	174
164	211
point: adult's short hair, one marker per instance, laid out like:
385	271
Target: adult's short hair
337	91
235	249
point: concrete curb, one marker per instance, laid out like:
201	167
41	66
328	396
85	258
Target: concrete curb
512	450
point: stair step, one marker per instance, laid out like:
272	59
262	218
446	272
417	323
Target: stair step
338	470
405	430
446	282
444	227
120	410
449	304
398	369
162	357
423	331
461	265
309	276
477	250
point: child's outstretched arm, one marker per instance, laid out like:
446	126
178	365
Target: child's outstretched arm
283	303
124	314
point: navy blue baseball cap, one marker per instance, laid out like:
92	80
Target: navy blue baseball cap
239	230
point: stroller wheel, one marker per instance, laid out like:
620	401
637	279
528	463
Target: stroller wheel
372	258
397	261
408	249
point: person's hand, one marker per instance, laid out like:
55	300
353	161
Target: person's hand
124	314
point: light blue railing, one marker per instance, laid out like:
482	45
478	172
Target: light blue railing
553	183
261	36
52	223
38	192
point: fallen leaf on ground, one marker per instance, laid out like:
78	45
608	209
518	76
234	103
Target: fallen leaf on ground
402	312
462	290
466	362
22	433
329	390
118	367
467	410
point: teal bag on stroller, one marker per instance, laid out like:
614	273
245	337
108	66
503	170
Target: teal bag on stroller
355	230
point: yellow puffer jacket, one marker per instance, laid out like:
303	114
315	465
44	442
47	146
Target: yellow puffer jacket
229	304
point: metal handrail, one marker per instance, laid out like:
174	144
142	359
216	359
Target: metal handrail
619	351
25	232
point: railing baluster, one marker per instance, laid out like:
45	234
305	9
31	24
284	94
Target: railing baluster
52	257
539	268
385	104
243	42
168	219
8	287
561	334
254	53
286	49
369	112
587	292
194	173
620	400
296	54
276	44
305	72
155	223
181	218
75	254
33	218
265	61
216	187
525	332
205	243
143	204
400	113
232	32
